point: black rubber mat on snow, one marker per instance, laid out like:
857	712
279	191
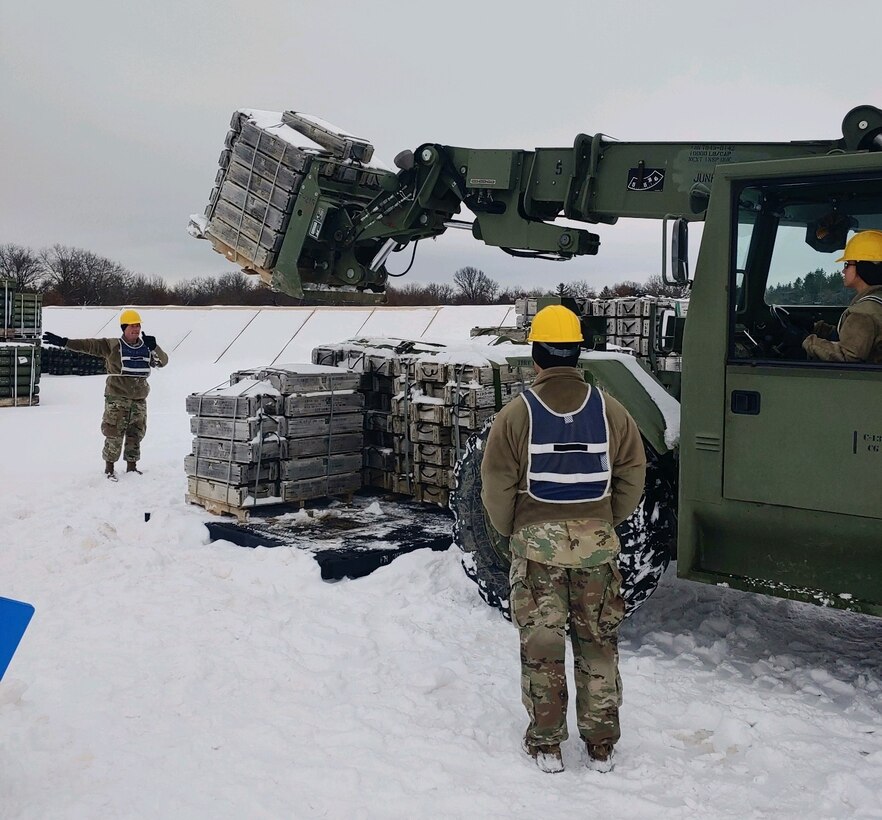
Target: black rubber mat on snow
347	540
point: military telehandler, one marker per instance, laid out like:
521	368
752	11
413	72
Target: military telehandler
774	478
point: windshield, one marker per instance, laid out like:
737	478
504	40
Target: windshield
790	237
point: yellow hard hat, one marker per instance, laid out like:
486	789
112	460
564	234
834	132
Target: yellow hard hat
129	317
865	246
555	323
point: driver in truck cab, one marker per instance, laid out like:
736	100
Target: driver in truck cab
858	336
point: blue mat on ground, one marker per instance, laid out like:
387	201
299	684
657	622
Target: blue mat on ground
14	619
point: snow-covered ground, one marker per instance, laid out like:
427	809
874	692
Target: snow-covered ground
164	676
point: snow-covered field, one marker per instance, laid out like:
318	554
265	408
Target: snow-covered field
164	676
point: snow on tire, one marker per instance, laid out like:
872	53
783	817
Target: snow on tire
647	536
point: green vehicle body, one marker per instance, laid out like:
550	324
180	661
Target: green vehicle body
779	459
785	500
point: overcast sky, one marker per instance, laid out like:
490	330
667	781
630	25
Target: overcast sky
115	112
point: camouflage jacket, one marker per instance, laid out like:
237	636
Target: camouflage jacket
589	524
126	387
860	332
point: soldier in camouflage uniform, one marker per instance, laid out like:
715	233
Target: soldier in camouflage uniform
858	336
561	468
128	360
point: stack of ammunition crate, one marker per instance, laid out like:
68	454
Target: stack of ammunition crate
439	405
19	374
633	323
527	307
626	325
379	363
234	462
22	315
276	435
261	172
421	410
324	435
642	323
255	188
21	322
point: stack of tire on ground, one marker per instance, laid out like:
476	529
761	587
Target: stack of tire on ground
423	406
59	361
275	435
21	321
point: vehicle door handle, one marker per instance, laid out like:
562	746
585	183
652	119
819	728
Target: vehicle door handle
745	402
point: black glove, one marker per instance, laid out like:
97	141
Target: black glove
786	317
791	341
803	321
150	341
53	339
794	334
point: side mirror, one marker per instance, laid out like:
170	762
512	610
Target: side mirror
679	253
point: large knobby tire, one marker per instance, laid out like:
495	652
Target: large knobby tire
647	536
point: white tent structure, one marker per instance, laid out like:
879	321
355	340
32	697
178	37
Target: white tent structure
264	335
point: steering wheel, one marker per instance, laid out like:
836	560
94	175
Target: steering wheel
768	338
783	347
780	314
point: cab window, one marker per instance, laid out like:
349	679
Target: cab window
784	268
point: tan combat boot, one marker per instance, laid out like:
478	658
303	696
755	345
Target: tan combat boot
548	757
109	472
600	757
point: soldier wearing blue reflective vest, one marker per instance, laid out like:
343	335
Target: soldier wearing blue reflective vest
562	467
128	360
568	452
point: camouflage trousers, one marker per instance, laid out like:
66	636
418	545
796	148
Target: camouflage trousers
544	601
124	420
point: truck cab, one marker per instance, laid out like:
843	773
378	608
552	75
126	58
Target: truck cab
781	456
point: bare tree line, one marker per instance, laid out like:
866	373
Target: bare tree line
74	276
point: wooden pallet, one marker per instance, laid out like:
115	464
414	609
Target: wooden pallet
17	334
346	498
241	514
19	402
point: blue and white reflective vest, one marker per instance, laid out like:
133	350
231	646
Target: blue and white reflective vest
135	360
569	452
